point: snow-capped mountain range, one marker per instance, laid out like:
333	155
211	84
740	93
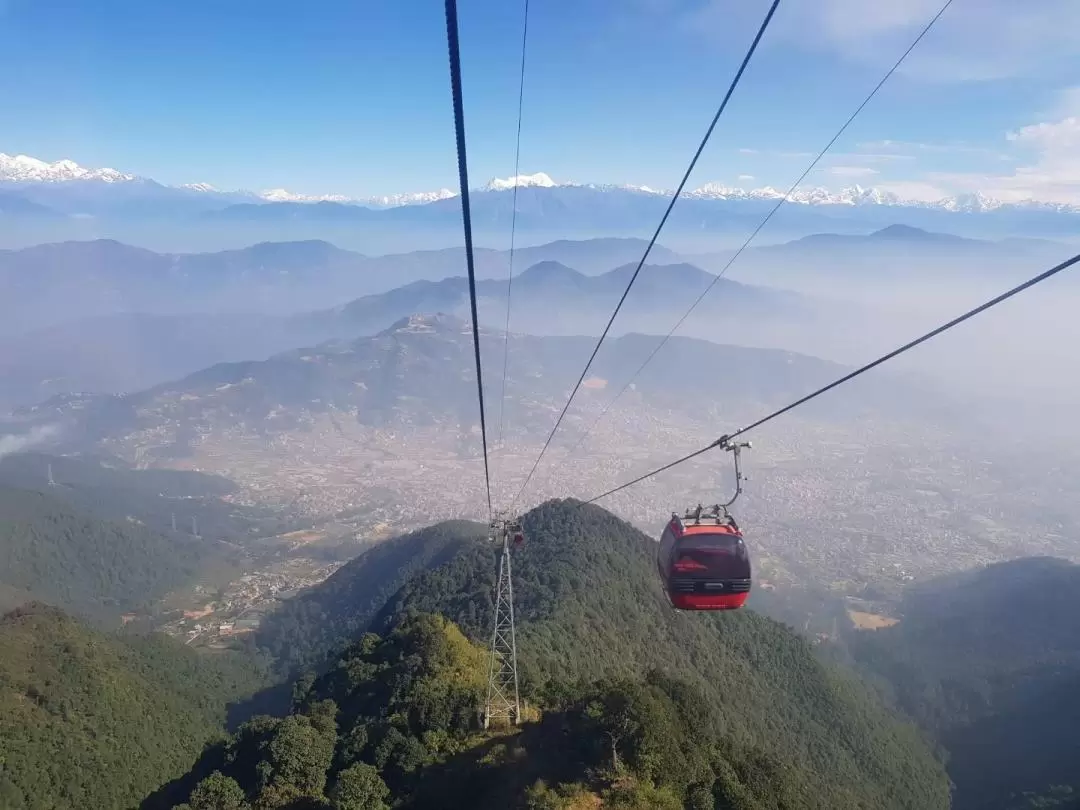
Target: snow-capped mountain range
24	170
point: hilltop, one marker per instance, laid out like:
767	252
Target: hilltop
589	608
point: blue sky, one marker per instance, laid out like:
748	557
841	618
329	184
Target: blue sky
353	97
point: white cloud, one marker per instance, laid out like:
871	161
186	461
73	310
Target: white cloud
852	171
1047	158
17	442
748	151
1050	135
746	177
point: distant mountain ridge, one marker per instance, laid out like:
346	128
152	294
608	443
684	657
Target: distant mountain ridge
50	283
167	337
68	201
106	317
25	169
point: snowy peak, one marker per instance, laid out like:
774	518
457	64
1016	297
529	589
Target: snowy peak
281	195
855	195
22	169
539	180
25	169
389	201
416	198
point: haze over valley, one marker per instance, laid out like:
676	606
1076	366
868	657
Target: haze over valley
353	420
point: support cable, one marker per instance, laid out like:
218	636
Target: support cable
466	214
724	440
513	221
663	220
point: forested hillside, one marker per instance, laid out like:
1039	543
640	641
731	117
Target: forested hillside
93	721
316	623
590	610
395	722
72	558
989	662
112	489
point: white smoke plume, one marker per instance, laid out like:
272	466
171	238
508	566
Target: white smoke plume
17	442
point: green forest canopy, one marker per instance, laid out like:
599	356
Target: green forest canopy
76	560
589	608
395	721
988	661
93	720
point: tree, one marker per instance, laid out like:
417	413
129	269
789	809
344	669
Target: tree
299	757
359	787
218	792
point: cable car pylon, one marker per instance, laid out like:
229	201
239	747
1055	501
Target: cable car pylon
503	702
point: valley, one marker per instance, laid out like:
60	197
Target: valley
333	477
317	488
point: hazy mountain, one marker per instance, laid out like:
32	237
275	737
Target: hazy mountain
121	318
15	206
897	252
550	298
48	284
392	378
98	538
128	351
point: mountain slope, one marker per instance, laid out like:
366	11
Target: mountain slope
48	284
89	720
73	558
395	720
383	422
311	626
989	662
389	379
589	606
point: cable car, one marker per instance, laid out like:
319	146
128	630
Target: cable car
703	561
702	557
508	530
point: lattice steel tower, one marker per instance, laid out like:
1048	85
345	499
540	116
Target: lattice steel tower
502	695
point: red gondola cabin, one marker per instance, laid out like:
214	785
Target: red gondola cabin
703	562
